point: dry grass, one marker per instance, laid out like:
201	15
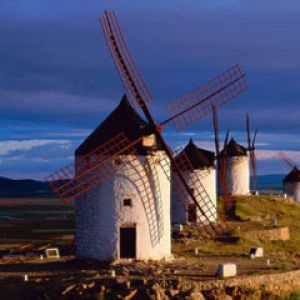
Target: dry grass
255	213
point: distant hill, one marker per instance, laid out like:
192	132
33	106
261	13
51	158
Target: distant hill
23	188
271	181
33	188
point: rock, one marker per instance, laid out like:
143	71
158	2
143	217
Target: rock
256	252
68	289
86	286
173	293
159	292
130	295
226	297
226	270
52	253
195	296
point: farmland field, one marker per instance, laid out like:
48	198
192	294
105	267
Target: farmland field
37	221
48	222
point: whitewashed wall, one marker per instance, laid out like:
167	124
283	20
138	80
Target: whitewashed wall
238	175
100	213
208	180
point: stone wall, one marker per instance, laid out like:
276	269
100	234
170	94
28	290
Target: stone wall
277	284
275	234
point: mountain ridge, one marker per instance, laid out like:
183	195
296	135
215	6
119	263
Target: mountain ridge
35	188
23	188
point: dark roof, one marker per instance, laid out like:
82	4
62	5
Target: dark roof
293	176
234	149
123	119
199	158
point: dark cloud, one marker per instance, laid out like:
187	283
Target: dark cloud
57	77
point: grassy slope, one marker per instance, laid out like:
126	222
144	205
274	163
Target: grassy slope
255	213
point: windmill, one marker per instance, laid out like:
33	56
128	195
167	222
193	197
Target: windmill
184	111
251	150
202	167
291	182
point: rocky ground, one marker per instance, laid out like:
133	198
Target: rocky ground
72	279
67	278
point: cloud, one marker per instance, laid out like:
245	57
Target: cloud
57	81
11	146
274	155
51	103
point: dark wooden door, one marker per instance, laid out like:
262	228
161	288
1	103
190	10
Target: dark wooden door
192	213
127	242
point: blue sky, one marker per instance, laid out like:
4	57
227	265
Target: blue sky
58	82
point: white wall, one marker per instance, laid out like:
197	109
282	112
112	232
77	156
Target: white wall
238	175
179	205
100	212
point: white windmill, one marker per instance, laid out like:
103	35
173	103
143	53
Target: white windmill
121	177
202	167
291	182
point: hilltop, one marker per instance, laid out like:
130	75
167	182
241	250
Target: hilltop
23	188
35	189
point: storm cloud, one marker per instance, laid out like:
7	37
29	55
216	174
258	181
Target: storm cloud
56	76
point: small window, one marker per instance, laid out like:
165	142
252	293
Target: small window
192	191
127	202
149	141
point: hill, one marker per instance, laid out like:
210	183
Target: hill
23	188
270	182
33	188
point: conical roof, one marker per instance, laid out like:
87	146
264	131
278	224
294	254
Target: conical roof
123	119
293	176
199	158
234	149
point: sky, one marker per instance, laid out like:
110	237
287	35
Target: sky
58	82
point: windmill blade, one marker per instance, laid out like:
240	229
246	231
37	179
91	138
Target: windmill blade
251	149
228	199
205	206
248	131
127	73
253	160
286	159
131	78
146	182
254	139
226	139
196	105
253	167
216	131
91	169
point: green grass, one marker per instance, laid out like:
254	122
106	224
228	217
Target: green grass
295	295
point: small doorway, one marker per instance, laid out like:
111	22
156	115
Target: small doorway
192	213
128	242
